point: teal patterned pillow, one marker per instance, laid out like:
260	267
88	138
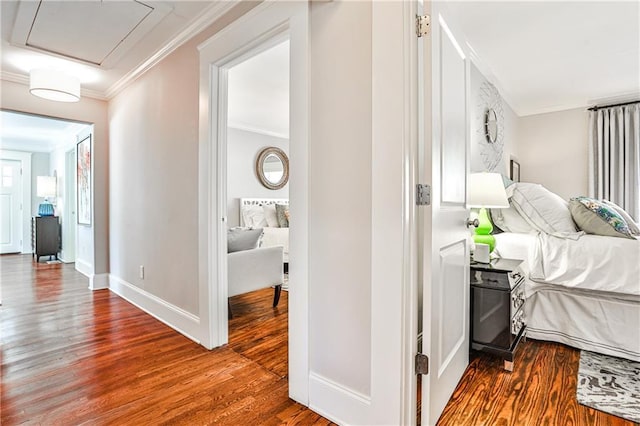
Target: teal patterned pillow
595	217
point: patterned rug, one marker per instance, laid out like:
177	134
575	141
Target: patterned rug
609	384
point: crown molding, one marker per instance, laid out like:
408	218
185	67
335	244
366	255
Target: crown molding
24	79
211	14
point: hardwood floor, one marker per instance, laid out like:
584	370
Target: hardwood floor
73	356
540	391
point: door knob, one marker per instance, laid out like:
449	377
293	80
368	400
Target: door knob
475	223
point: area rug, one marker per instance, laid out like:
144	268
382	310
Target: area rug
609	384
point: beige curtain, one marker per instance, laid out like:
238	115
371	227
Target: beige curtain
614	156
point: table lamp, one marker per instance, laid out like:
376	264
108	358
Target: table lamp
486	190
46	187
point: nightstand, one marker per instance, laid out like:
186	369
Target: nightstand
497	308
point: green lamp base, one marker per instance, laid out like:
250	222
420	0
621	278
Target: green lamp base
484	229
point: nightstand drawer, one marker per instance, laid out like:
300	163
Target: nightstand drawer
517	299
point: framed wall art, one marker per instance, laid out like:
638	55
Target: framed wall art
83	156
514	174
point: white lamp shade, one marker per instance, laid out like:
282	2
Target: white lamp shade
486	190
46	186
54	85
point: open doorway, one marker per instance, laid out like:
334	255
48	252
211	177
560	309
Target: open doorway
44	149
257	157
262	27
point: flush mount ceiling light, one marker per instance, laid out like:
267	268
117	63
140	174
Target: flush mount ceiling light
54	85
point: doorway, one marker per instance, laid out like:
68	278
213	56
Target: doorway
257	28
10	206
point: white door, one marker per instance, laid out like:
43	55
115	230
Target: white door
446	252
10	206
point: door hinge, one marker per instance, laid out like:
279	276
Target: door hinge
422	364
423	24
423	194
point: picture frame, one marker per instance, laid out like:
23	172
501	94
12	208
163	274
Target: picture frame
84	181
514	172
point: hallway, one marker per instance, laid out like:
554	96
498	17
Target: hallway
70	355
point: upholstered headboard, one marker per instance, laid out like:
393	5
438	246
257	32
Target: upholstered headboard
259	202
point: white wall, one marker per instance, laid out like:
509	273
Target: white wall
39	167
243	148
553	151
93	241
153	126
340	194
510	127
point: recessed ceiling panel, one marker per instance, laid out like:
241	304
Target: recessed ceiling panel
88	30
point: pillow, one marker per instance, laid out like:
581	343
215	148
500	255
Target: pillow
239	239
254	217
542	209
627	218
595	217
509	220
270	215
282	211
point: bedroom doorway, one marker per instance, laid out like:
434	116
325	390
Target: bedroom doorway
267	26
257	194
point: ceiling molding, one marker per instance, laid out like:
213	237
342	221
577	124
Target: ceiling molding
209	15
24	79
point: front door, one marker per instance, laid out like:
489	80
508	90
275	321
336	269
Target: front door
446	254
10	206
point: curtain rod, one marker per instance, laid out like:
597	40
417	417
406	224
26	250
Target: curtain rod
597	107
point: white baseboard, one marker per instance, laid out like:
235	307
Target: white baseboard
99	281
338	403
85	268
180	320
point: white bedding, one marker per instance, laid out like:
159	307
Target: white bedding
579	311
592	262
272	237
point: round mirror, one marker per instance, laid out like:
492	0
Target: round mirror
491	125
272	168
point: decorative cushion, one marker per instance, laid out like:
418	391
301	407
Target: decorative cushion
282	211
509	220
595	217
254	216
626	216
239	239
542	209
270	215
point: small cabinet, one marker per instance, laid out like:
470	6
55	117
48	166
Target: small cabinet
45	236
497	308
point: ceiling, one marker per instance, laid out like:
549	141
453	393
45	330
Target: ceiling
33	133
550	55
259	92
103	43
542	55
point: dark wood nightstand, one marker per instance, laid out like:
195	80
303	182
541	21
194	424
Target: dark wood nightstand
497	308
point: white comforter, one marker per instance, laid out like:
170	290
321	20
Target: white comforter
591	262
272	237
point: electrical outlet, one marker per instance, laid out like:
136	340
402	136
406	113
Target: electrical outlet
141	272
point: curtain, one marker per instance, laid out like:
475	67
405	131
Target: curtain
614	156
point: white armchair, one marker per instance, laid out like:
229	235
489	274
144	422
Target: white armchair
254	269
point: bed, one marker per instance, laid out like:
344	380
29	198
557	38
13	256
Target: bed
582	290
258	213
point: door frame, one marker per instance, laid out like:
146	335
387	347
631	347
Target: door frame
25	216
254	29
70	204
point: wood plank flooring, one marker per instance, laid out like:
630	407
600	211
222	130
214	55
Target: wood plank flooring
73	356
540	391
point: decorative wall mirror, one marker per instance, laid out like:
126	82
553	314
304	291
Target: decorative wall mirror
491	125
272	168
